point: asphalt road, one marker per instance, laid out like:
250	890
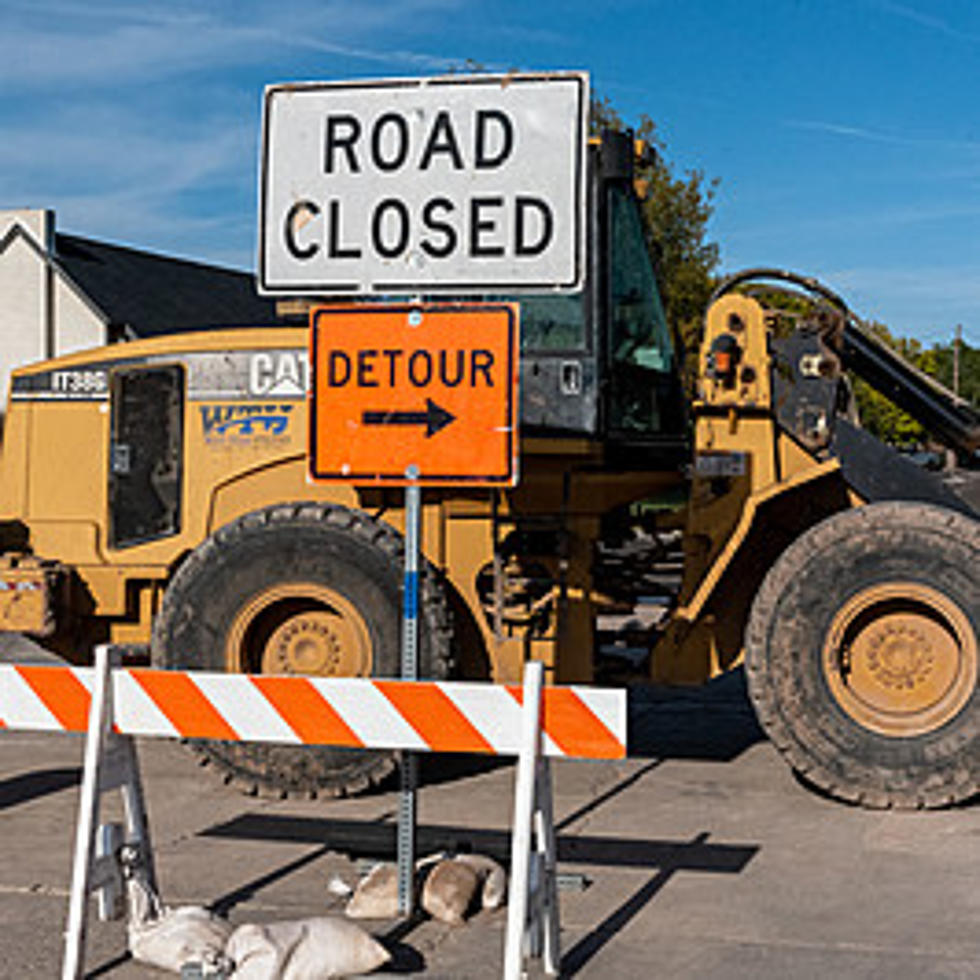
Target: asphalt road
704	858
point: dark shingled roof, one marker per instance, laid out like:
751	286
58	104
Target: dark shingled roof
154	294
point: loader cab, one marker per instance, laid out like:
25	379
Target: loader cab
601	363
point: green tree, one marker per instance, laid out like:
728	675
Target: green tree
891	424
676	210
942	355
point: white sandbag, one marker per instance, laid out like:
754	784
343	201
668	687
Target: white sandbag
376	895
168	938
492	876
449	891
307	949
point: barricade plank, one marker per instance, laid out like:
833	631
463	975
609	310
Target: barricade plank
443	726
21	707
312	718
440	716
61	692
187	709
575	728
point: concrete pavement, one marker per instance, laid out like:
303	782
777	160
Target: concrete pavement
706	858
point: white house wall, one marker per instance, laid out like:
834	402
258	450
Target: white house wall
42	313
23	307
76	324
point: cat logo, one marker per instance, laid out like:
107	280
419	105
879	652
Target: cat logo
279	374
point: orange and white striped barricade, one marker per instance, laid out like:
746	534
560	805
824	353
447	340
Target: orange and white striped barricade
114	704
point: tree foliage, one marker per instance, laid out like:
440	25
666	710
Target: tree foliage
880	416
941	368
676	210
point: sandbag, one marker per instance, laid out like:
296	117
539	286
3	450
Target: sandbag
449	891
376	895
168	938
493	878
306	949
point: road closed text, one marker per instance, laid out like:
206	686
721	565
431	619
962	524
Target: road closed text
439	187
483	226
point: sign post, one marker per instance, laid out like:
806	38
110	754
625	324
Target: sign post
461	185
408	770
373	369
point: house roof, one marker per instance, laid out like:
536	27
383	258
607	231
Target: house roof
153	294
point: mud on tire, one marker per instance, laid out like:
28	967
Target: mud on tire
862	655
299	588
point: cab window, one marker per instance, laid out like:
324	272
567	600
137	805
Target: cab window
639	339
552	322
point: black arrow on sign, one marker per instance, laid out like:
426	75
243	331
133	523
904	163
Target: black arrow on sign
434	418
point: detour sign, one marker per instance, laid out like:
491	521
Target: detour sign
412	392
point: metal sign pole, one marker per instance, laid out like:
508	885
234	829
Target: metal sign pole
410	672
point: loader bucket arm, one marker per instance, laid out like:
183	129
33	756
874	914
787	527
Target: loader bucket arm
934	406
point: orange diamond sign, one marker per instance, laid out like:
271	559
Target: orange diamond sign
415	393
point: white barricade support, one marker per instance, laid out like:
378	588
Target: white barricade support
112	704
532	903
120	852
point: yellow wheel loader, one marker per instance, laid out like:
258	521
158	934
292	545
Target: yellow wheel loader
154	495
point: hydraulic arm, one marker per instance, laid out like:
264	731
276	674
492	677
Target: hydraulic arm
938	409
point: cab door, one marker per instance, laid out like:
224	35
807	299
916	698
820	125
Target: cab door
146	450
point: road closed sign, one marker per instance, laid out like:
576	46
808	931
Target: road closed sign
461	184
415	393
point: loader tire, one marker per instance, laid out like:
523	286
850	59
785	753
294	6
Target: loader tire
303	589
862	656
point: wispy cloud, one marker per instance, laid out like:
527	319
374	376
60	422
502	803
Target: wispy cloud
138	121
950	288
51	42
870	135
926	19
141	186
832	225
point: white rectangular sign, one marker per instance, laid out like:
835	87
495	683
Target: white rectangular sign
460	184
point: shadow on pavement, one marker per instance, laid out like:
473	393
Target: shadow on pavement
714	721
361	838
105	968
603	798
30	785
436	767
587	947
404	958
225	903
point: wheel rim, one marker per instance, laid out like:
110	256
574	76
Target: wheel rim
300	628
901	659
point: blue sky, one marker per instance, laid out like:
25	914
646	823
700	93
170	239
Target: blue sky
846	133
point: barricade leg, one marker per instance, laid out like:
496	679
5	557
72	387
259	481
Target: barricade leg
99	723
532	906
544	828
110	763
